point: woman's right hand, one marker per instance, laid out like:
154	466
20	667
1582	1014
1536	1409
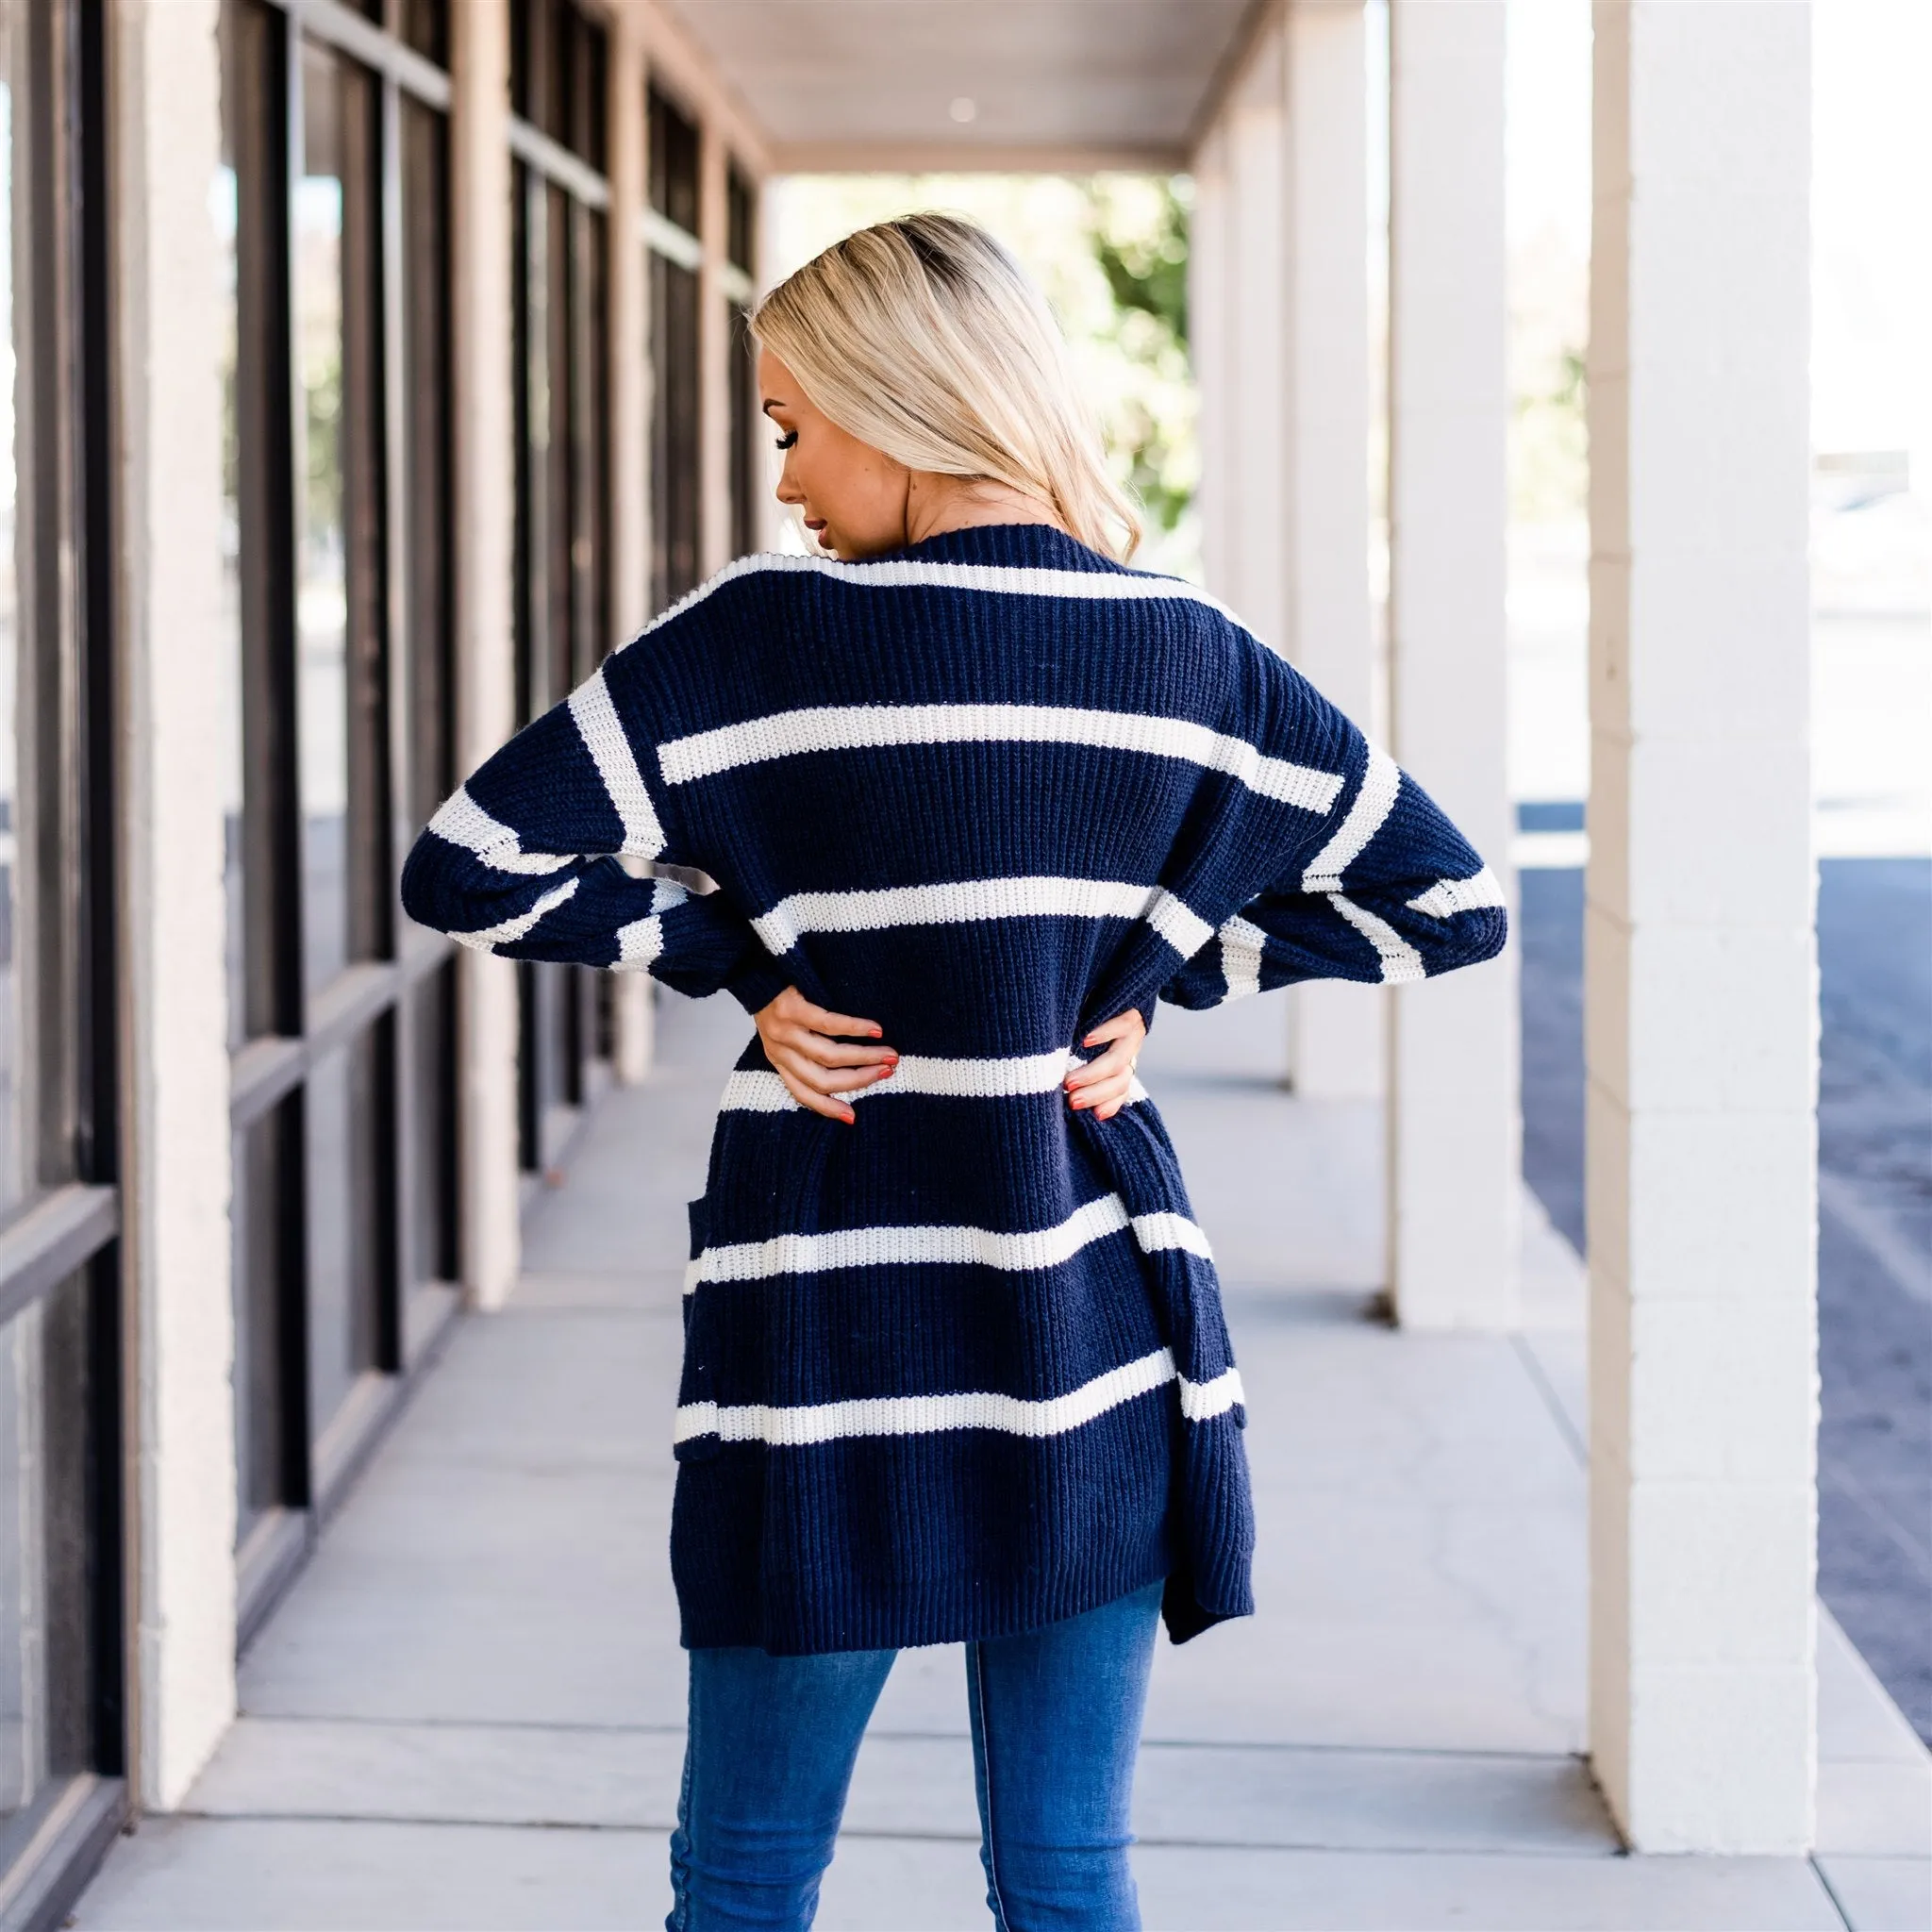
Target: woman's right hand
817	1068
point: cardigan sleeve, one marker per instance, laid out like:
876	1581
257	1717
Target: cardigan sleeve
541	854
1382	887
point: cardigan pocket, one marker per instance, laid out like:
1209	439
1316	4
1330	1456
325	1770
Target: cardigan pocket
698	1378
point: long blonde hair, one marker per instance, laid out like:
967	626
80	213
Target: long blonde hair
923	337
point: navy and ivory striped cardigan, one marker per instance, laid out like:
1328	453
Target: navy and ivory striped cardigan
959	1369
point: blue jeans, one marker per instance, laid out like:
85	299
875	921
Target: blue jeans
1055	1723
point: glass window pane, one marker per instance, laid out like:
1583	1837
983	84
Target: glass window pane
265	1266
46	1510
347	894
225	211
589	473
673	162
745	422
673	432
741	204
345	1212
426	27
433	1127
323	592
427	430
13	1163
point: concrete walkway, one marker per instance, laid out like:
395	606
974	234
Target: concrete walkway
468	1713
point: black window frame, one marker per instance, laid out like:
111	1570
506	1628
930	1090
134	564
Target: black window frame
384	1023
741	404
675	325
563	594
60	1255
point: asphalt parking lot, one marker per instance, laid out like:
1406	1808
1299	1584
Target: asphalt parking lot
1874	1245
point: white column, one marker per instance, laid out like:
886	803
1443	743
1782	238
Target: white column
1280	296
1209	267
486	658
1701	1001
1254	508
1455	1121
175	1136
1335	1030
630	449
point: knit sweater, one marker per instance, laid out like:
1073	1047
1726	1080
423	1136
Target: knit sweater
958	1369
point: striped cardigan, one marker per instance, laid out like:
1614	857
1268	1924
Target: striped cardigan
959	1369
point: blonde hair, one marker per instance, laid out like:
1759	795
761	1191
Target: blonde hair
923	337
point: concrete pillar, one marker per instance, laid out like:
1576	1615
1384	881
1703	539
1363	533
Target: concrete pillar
484	486
1701	1001
630	449
714	355
1254	507
1279	299
1455	1118
1209	267
1335	1030
176	1139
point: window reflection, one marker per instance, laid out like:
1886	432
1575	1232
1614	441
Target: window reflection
12	1157
224	213
45	1667
322	609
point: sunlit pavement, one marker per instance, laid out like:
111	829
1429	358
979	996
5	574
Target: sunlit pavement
468	1712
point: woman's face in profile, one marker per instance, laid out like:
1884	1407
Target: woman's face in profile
852	497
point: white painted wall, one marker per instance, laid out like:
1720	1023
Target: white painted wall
1455	1116
175	1188
486	660
1701	966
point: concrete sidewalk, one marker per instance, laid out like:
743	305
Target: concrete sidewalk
469	1712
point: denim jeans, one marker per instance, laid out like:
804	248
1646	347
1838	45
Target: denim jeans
1055	1718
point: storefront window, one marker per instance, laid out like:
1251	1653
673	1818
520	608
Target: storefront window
14	1164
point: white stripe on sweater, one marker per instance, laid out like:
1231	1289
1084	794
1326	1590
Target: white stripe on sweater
1178	923
1373	803
1202	1401
752	1091
800	1426
959	901
609	745
488	937
1106	587
855	727
1401	962
928	1247
1242	946
1156	1232
1447	897
464	823
872	1247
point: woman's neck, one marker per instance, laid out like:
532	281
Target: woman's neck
935	505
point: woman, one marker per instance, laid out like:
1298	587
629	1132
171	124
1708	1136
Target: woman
972	792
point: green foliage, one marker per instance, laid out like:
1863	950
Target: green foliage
1147	271
1138	229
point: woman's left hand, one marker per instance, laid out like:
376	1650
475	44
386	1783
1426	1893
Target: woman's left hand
1101	1084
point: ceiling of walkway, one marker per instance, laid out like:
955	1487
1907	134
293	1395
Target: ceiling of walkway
853	84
